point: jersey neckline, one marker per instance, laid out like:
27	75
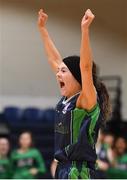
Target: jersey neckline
65	101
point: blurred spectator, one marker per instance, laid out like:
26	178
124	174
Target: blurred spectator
26	161
118	168
4	161
104	150
100	141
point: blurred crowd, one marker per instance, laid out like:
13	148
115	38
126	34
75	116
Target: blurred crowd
25	162
112	155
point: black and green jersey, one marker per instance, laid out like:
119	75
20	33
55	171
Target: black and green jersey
22	163
76	132
4	168
120	171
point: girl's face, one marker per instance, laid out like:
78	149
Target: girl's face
4	147
109	139
67	83
25	140
121	145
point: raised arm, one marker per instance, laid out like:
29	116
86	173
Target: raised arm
87	98
54	57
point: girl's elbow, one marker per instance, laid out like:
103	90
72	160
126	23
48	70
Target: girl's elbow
87	66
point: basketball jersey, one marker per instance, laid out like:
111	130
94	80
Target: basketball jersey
76	132
120	169
4	168
23	162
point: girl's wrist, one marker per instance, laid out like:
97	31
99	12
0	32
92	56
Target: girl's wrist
44	32
43	28
85	30
85	33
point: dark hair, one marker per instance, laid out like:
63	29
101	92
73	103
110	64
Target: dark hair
104	100
72	63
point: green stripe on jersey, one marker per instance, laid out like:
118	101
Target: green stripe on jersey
77	118
94	117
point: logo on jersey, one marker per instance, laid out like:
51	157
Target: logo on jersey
65	108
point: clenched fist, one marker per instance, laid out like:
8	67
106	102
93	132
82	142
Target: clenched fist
42	18
87	19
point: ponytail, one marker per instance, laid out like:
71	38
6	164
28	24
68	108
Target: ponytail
103	96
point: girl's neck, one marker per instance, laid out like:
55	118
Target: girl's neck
70	97
23	150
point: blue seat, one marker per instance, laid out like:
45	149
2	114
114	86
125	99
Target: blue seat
32	115
13	115
49	115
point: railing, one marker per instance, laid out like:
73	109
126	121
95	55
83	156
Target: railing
114	86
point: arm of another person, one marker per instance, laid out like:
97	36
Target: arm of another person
88	98
41	168
54	57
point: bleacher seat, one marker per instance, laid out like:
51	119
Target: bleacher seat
49	116
33	115
39	122
13	115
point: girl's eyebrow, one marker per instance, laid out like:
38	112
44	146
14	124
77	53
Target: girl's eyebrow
63	68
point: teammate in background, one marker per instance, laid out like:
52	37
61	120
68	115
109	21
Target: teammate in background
81	110
26	162
104	150
4	160
118	167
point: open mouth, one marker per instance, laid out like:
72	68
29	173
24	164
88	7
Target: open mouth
62	84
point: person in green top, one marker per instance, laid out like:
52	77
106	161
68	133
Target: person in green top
26	162
104	149
118	168
4	160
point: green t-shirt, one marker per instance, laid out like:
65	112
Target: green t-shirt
120	171
4	168
21	163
